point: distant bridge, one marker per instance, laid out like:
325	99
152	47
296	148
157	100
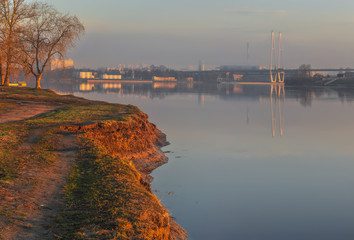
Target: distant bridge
263	71
329	70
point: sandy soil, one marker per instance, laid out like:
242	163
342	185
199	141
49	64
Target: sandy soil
34	200
25	111
37	197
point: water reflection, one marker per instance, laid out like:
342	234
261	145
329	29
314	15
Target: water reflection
231	178
274	93
86	87
304	95
165	85
277	96
201	98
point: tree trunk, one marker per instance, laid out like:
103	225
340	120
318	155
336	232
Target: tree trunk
7	76
8	66
1	74
38	81
7	80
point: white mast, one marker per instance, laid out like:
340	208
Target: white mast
280	49
272	51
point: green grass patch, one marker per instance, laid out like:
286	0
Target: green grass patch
44	150
76	111
18	151
77	114
106	197
31	94
12	137
106	200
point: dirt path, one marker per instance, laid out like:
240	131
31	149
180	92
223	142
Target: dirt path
26	110
37	198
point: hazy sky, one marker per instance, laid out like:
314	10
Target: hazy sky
178	33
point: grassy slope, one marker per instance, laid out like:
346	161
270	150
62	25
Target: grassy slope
13	135
106	200
106	197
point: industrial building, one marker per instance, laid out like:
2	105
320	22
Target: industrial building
85	75
111	76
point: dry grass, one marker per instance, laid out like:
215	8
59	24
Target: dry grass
107	198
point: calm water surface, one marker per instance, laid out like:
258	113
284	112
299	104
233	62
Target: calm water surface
252	162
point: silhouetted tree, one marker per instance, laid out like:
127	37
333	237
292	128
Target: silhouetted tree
48	34
304	71
13	14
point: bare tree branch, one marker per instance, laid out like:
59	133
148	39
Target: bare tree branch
13	14
48	34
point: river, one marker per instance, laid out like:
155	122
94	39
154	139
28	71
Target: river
250	162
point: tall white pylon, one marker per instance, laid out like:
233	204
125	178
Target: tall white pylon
276	73
280	69
280	49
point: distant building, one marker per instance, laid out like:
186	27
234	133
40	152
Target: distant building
201	66
111	76
86	75
112	69
349	74
164	79
189	68
61	64
237	77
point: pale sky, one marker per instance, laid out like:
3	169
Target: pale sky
179	33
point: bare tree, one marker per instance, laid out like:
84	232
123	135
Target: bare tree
2	75
48	34
305	71
2	52
13	14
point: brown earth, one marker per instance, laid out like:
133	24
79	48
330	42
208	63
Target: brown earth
37	197
139	141
33	200
25	110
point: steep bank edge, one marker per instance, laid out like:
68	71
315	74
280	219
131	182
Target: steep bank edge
107	150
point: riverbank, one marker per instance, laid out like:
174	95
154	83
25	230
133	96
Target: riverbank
80	170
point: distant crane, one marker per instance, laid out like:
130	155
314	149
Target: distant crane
277	73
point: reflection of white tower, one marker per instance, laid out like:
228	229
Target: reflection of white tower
201	98
248	53
248	116
277	96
